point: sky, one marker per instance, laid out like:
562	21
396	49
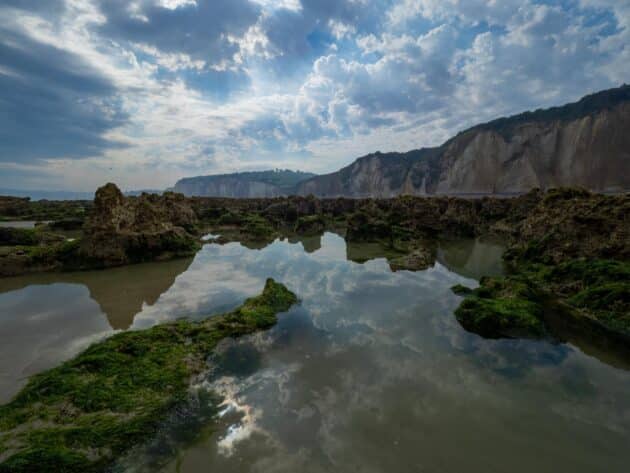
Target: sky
144	92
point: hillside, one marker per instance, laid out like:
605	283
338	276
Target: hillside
244	184
585	144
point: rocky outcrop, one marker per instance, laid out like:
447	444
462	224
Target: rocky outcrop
569	274
124	230
572	223
17	208
582	144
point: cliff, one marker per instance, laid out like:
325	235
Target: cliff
582	144
243	185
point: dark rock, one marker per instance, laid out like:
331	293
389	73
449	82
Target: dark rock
124	230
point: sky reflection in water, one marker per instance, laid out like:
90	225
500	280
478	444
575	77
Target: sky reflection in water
370	373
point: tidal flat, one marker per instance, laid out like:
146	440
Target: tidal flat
370	372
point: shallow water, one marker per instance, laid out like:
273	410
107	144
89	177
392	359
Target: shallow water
370	373
20	224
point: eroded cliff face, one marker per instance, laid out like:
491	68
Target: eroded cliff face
379	175
591	152
253	184
226	187
585	144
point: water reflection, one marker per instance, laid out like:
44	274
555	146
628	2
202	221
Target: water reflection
472	258
20	224
370	373
47	318
310	243
120	293
373	373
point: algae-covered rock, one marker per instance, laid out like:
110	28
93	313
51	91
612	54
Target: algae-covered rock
596	289
501	307
84	414
19	236
595	293
567	224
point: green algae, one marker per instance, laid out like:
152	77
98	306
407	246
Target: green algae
501	307
256	226
595	291
87	412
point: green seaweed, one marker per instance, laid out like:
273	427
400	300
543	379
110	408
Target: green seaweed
594	290
82	415
258	227
501	307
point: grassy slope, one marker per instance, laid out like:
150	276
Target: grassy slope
82	415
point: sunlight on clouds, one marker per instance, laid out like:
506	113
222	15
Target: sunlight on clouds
173	4
292	5
302	85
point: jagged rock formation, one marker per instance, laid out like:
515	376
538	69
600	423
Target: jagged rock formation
581	144
243	185
123	229
572	223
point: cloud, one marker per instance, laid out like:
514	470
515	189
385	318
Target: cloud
53	105
199	30
469	11
299	83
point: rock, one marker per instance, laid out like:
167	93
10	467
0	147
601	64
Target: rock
242	185
66	224
573	223
124	230
501	307
580	144
417	260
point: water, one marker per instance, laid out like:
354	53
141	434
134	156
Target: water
21	223
370	373
48	318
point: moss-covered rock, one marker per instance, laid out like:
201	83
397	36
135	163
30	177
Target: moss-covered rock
597	292
598	289
15	208
501	307
257	227
82	415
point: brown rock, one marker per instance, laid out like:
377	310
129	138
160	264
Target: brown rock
123	230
